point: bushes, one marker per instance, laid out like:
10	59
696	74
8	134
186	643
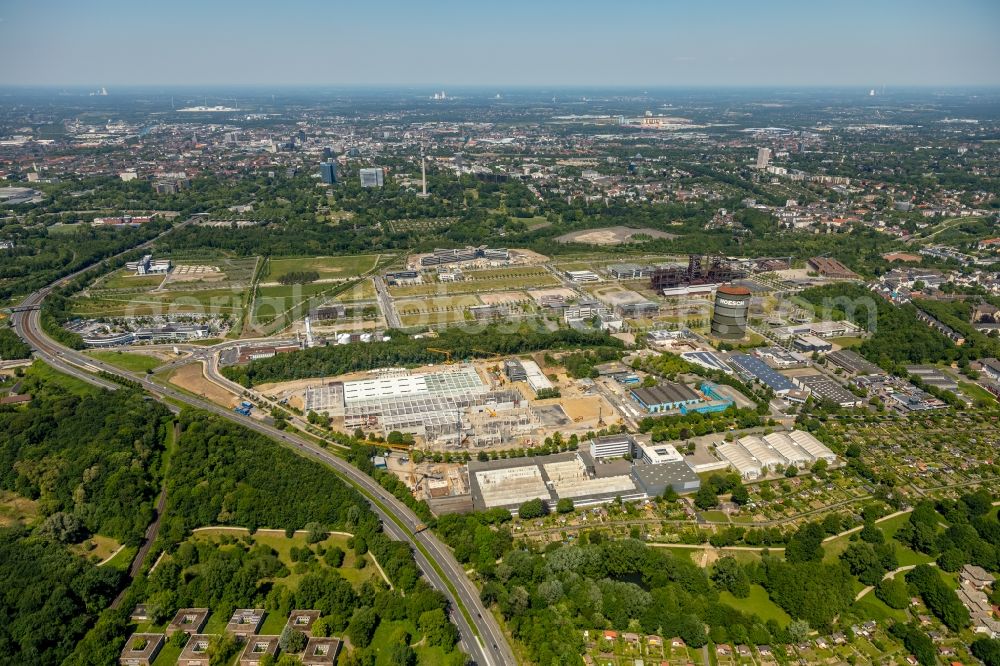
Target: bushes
11	346
893	592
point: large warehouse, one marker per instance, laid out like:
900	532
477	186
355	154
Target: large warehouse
753	456
452	407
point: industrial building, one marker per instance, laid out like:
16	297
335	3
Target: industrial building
665	396
744	464
458	255
452	407
628	271
825	388
732	309
707	359
753	456
811	343
853	363
699	271
933	376
753	368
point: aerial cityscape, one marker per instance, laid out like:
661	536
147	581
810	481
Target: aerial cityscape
566	334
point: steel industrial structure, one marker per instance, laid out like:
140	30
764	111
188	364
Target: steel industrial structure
700	270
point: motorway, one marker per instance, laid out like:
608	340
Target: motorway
485	642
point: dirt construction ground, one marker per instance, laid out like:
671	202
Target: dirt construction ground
191	378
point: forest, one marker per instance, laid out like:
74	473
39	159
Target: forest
403	351
92	461
897	336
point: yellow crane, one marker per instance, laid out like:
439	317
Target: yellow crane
447	354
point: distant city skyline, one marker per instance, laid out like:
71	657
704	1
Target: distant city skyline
518	43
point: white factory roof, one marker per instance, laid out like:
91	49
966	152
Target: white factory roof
764	454
570	479
738	457
787	447
812	446
460	381
661	453
536	378
512	485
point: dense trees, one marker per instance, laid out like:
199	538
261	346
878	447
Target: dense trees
11	346
340	359
50	597
897	336
90	459
939	597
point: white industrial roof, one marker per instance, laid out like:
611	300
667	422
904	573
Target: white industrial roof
536	378
785	446
662	453
764	454
811	445
738	457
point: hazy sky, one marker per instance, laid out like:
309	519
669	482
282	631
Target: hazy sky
500	42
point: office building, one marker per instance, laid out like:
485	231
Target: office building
328	172
763	157
372	177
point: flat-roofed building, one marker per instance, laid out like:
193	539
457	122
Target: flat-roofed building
188	620
827	389
321	651
655	454
302	620
677	474
853	363
245	622
196	651
141	649
611	446
256	648
744	464
752	367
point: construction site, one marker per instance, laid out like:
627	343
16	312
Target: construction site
453	408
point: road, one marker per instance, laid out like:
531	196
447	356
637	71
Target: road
486	642
385	301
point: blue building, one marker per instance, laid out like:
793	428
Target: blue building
665	396
328	171
752	367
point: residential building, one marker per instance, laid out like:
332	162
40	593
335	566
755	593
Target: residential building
141	649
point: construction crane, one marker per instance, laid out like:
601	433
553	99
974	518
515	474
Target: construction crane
447	354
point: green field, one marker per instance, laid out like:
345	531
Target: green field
327	267
442	304
759	604
127	360
221	301
128	280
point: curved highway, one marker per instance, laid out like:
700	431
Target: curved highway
481	634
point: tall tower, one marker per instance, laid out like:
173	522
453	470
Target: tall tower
732	309
423	176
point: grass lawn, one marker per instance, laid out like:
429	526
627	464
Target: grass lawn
168	655
127	360
716	516
123	560
16	510
847	341
874	608
129	280
759	604
976	392
327	267
50	376
102	548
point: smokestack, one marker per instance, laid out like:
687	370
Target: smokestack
423	173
